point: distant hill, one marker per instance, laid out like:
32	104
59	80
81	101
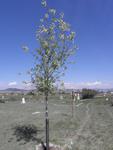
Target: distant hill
17	90
9	90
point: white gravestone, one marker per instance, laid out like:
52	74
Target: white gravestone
107	99
23	101
61	97
78	96
75	96
2	97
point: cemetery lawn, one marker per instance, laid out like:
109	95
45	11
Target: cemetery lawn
91	128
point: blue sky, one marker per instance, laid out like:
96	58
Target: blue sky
92	20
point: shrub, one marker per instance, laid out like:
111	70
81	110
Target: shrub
88	93
31	93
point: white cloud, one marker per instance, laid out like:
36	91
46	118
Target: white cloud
95	84
27	85
69	85
12	83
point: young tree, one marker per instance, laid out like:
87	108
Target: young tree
56	45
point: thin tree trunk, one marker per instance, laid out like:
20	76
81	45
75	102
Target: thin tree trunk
46	121
72	103
72	108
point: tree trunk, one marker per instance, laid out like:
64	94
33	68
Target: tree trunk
46	121
72	108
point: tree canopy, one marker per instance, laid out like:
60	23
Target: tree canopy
56	45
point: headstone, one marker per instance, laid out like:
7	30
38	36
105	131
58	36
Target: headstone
107	99
2	97
78	96
23	101
35	113
104	94
61	97
38	147
75	96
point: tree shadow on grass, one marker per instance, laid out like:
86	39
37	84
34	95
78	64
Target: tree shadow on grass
26	133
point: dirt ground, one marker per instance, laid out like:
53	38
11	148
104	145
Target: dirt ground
91	127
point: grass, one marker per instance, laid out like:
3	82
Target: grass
19	129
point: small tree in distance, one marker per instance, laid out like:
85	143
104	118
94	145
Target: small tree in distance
56	45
